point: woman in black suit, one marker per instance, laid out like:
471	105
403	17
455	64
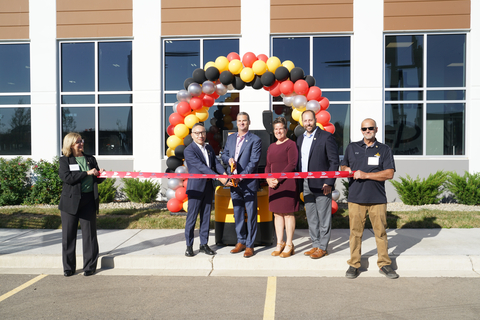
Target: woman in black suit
79	202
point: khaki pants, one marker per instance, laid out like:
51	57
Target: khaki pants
378	217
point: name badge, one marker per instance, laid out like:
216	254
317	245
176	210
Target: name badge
74	167
373	161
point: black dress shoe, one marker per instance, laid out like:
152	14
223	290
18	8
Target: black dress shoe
88	273
68	273
189	252
206	249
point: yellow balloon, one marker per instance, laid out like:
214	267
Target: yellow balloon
301	197
181	130
170	152
235	66
202	115
174	141
292	126
229	126
190	120
296	114
273	63
221	63
227	119
288	64
320	126
208	65
259	67
185	206
226	110
247	75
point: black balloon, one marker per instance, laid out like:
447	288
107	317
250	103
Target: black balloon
187	140
168	170
220	123
198	76
238	83
188	82
282	74
226	77
179	152
257	83
297	74
310	80
268	78
212	74
218	114
220	106
173	162
299	130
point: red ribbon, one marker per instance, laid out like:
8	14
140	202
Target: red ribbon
282	175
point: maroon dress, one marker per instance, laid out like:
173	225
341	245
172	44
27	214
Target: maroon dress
283	158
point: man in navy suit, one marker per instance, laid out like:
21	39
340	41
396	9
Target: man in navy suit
200	158
317	151
243	150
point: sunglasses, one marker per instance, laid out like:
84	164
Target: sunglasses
369	128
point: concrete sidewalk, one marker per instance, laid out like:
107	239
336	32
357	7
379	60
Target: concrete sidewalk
414	252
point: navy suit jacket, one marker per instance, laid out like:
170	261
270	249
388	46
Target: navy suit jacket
195	161
323	157
248	158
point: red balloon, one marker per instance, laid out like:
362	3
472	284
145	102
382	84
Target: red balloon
248	59
210	136
275	89
174	205
208	100
330	128
213	129
201	95
278	109
314	93
324	103
334	206
195	103
286	87
170	130
323	117
183	108
185	182
180	194
215	95
232	56
175	118
262	57
301	87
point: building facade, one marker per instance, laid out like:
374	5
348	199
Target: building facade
111	71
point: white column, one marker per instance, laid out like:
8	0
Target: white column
473	88
147	124
367	65
256	39
43	79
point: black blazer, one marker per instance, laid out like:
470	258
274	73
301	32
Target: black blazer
323	157
72	184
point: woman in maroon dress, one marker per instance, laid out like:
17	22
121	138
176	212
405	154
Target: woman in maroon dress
282	156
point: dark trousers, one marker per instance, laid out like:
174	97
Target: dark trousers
199	203
244	198
86	214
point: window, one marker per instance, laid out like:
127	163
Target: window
181	58
96	94
327	59
425	93
15	121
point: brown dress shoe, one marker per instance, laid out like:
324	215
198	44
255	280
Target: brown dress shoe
248	253
318	254
238	248
309	252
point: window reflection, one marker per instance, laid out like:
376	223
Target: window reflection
446	68
15	131
115	66
295	49
331	65
78	66
213	48
15	68
404	128
404	61
81	120
182	57
115	130
445	129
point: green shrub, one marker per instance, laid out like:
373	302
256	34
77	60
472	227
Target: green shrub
140	191
420	192
466	189
107	190
345	188
14	181
47	185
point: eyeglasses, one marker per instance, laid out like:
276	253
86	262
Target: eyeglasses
200	133
80	141
369	128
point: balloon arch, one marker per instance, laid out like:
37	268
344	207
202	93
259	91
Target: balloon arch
228	73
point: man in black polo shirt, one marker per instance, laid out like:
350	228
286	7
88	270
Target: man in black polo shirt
373	164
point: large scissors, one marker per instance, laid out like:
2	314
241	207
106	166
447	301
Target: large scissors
232	167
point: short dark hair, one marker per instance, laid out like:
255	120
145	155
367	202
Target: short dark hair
243	113
198	124
313	113
280	120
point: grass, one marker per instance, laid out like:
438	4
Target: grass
49	218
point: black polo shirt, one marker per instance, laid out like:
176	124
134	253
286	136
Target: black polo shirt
377	157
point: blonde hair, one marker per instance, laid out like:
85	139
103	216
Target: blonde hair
69	140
